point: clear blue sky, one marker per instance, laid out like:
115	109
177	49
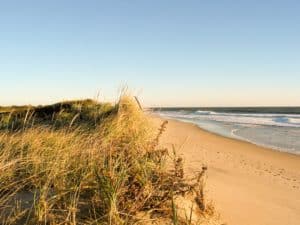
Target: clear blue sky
189	53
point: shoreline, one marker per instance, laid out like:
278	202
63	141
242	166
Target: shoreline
238	138
249	184
271	130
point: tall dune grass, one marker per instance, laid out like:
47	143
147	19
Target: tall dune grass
101	165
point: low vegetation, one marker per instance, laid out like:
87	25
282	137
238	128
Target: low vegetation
83	162
86	113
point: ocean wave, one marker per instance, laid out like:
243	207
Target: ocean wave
267	121
263	115
201	112
281	120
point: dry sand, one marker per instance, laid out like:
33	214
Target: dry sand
249	185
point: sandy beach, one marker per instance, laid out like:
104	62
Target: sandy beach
249	185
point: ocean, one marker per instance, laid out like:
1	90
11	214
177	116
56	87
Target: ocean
273	127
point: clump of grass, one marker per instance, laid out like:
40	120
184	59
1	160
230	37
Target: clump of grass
105	175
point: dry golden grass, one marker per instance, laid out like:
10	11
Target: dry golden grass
110	173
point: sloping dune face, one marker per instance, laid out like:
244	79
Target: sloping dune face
92	163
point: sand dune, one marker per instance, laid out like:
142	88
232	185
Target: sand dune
249	185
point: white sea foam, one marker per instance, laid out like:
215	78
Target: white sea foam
281	149
205	112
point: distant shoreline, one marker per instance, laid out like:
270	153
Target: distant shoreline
268	148
277	130
237	138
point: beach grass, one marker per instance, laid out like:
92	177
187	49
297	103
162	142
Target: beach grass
85	162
